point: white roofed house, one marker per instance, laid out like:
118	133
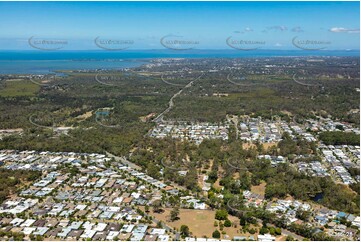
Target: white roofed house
266	237
28	230
40	231
17	221
112	234
28	223
127	228
100	227
356	222
88	234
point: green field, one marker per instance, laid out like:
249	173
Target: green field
18	88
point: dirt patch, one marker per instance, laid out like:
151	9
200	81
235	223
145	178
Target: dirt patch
269	145
260	189
84	116
248	146
266	146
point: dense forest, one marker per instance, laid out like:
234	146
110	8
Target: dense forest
213	157
339	138
11	179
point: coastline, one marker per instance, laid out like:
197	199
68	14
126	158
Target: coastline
40	62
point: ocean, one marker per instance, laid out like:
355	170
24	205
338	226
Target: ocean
45	62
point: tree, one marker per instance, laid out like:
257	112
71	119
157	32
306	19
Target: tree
184	229
146	208
191	179
221	214
227	223
159	224
303	215
339	138
153	170
264	230
216	234
157	206
242	221
289	238
174	214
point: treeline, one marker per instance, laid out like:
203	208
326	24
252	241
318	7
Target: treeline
300	229
116	140
339	138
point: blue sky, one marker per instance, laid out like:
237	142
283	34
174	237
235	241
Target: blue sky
209	24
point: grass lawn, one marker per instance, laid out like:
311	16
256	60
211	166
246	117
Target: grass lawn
18	88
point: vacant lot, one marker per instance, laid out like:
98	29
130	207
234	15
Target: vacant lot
200	222
260	189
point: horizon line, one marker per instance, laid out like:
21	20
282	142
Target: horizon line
179	51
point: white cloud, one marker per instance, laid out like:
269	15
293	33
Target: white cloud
344	30
278	27
248	29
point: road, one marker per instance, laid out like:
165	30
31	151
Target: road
287	232
167	228
295	236
124	161
159	118
134	166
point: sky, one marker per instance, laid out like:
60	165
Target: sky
179	25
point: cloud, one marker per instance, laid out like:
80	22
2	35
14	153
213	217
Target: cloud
278	45
248	29
344	30
277	27
297	29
